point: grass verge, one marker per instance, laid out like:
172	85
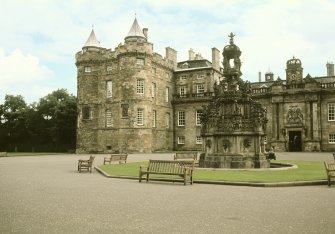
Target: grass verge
306	171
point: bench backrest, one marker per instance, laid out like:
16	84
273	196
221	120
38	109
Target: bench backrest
90	161
167	166
115	157
192	156
330	166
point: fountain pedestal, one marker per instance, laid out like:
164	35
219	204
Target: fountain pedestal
233	124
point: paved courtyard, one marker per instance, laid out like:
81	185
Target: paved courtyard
46	194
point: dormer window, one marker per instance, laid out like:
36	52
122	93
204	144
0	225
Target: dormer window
87	69
182	77
185	65
202	76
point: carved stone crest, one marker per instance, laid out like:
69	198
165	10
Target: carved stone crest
294	116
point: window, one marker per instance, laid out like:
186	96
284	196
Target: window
153	89
202	76
181	140
182	91
87	69
200	88
182	77
109	120
109	86
167	120
140	61
153	118
332	138
140	87
109	68
167	94
331	111
198	140
86	112
198	114
124	108
140	117
181	118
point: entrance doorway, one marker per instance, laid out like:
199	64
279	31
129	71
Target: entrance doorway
294	144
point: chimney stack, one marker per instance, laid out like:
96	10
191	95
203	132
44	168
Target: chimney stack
330	69
190	54
171	55
216	59
259	76
145	32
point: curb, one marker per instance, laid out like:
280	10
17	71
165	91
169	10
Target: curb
250	184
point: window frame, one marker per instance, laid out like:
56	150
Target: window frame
87	69
86	113
109	89
182	91
181	118
140	86
197	141
331	111
140	61
331	138
109	118
181	140
167	93
140	117
198	114
154	118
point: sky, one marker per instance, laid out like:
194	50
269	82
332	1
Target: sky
39	38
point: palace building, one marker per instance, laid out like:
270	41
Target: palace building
133	99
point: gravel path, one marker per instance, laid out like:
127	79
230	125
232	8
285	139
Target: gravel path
46	194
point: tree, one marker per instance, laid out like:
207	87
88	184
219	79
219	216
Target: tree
59	112
49	125
12	124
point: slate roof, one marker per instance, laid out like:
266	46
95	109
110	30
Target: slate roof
92	40
135	30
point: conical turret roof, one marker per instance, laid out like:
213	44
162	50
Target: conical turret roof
92	40
135	31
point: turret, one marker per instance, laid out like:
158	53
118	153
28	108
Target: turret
92	43
135	33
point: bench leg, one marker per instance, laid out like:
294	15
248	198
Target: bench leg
140	177
328	181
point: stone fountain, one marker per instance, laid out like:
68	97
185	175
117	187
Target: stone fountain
233	124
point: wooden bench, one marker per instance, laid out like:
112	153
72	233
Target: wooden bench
3	154
330	169
116	157
185	156
183	169
85	164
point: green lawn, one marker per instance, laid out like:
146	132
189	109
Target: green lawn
306	171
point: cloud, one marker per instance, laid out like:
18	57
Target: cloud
20	72
269	32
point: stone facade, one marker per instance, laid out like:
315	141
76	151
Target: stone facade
133	99
299	110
